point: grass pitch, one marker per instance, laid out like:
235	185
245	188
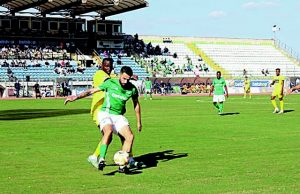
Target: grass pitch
188	147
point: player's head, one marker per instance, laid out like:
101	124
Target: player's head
219	74
147	78
107	65
125	75
277	71
246	77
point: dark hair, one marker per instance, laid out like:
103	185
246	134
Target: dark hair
127	70
219	72
109	60
277	69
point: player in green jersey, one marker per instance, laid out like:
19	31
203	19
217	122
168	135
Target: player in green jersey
219	89
278	82
247	88
110	117
148	88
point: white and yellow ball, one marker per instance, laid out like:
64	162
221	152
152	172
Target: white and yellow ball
121	158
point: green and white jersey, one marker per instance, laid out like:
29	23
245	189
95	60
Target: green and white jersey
148	85
116	96
219	85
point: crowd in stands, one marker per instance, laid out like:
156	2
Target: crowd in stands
135	46
185	88
33	52
64	68
195	88
168	67
146	55
31	56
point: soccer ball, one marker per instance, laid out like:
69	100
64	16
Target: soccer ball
121	158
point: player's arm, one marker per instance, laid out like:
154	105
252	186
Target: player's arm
293	89
137	109
272	83
211	89
282	85
226	90
81	95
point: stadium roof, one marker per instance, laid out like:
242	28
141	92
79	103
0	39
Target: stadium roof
74	7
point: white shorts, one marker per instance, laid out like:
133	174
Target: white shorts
117	121
218	98
147	90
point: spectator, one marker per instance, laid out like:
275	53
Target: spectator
175	55
244	72
267	72
197	71
17	87
80	69
163	88
9	71
205	68
37	90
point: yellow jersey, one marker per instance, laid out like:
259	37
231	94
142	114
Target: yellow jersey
278	83
98	98
247	84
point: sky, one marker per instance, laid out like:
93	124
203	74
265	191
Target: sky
217	18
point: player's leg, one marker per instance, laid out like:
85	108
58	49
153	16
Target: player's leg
145	95
281	103
221	99
128	136
216	105
245	92
150	93
93	159
215	102
250	94
274	103
107	131
106	127
221	105
97	150
122	139
96	120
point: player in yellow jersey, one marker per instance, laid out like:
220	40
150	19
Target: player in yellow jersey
99	77
278	82
247	88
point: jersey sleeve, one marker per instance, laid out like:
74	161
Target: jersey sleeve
104	85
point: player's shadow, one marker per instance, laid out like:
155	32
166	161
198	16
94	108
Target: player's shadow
288	111
151	160
229	113
23	114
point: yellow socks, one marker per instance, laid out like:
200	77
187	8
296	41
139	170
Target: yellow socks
97	150
274	103
281	105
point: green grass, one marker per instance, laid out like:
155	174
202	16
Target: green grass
44	146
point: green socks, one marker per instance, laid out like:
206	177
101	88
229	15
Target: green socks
103	150
216	105
221	107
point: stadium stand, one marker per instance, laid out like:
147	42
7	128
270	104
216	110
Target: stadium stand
255	59
177	62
